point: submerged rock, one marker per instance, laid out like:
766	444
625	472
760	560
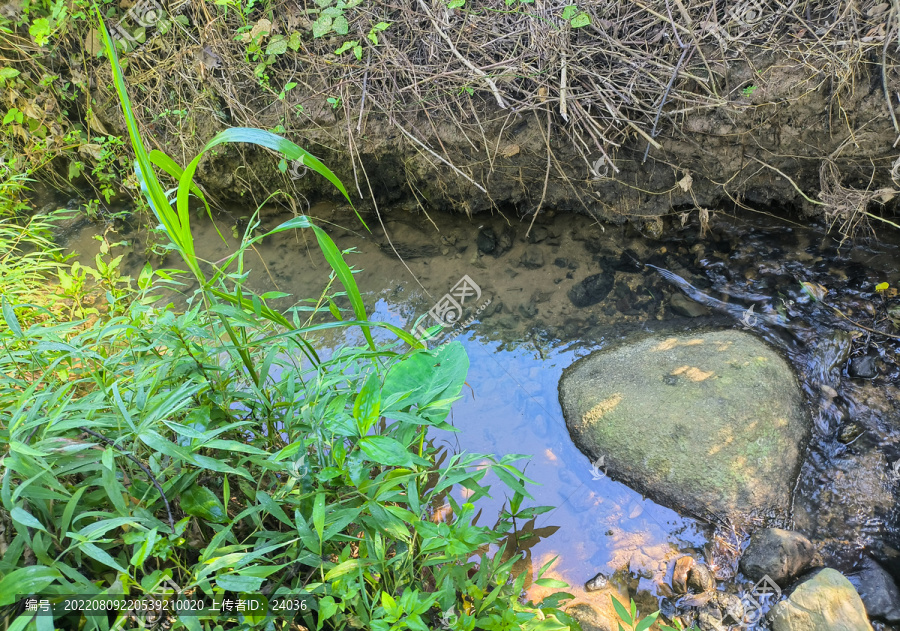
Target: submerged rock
591	290
825	602
682	305
710	422
700	579
863	367
597	583
781	555
532	259
879	592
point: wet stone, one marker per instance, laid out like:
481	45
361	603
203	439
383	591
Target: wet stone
849	432
532	259
700	579
879	592
538	234
825	602
725	439
863	367
680	574
597	583
782	555
591	290
486	241
682	305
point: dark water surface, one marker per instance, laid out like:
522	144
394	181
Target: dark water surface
531	329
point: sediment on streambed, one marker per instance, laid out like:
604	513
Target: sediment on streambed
616	110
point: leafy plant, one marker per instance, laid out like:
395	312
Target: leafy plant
214	452
575	17
629	617
331	18
749	90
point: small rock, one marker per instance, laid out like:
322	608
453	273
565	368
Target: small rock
487	241
528	310
597	583
561	262
504	242
731	605
700	579
682	305
782	555
538	234
667	608
596	615
849	432
532	259
591	290
879	592
825	602
652	227
863	367
709	621
680	574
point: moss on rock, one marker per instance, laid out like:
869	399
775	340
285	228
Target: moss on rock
706	423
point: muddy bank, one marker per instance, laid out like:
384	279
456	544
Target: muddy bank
774	115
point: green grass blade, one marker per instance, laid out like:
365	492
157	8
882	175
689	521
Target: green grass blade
178	231
342	270
174	169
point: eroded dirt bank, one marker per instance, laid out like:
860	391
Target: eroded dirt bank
792	141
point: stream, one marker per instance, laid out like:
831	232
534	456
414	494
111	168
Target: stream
522	296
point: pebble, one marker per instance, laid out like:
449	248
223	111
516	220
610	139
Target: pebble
849	432
863	367
597	583
680	574
700	579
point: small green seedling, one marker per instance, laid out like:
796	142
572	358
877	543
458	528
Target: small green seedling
575	17
749	90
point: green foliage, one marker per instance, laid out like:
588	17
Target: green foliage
27	256
331	18
630	621
575	17
629	617
148	451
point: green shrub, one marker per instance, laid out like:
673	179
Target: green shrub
214	451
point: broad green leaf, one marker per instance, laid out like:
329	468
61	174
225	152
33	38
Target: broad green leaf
199	501
25	450
551	582
98	554
26	580
25	518
580	20
239	583
272	507
367	406
340	25
278	45
389	452
428	376
647	622
318	515
342	568
9	314
622	611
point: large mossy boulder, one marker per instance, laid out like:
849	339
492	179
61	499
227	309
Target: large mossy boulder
706	423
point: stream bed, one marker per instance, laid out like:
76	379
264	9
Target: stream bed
537	301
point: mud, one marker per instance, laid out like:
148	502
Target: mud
796	120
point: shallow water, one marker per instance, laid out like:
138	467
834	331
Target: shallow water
531	330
